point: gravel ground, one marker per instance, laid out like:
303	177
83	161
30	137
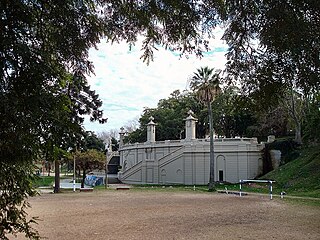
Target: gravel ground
130	214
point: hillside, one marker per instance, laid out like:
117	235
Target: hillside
300	177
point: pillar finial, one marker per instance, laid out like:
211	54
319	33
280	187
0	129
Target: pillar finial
151	120
190	126
151	130
190	112
121	133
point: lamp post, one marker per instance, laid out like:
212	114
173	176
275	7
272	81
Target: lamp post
106	181
108	147
74	173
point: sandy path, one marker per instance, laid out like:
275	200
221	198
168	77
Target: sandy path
171	215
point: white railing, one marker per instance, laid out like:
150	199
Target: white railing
172	155
182	141
127	172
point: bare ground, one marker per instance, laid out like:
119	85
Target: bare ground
171	215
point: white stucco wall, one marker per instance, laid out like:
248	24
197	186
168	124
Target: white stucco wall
187	161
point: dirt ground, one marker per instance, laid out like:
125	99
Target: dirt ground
129	214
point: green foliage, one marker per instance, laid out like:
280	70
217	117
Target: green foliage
311	128
169	117
177	25
44	59
89	160
299	177
43	92
91	155
91	141
231	115
115	144
139	135
267	51
43	181
276	62
205	83
266	47
15	187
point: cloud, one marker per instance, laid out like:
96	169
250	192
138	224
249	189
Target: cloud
126	84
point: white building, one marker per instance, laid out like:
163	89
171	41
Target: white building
187	161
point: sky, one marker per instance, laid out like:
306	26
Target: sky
126	84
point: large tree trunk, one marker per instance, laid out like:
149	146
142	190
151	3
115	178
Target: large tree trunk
211	178
296	111
48	168
298	137
56	176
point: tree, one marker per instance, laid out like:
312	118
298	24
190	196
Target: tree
268	54
131	125
231	114
169	116
256	32
90	154
295	105
43	92
312	126
109	138
91	141
44	41
89	160
274	51
205	82
266	32
176	25
272	122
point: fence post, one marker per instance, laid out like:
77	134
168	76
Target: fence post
270	190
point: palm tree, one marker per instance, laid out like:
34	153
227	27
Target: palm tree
205	82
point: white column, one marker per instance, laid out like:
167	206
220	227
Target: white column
190	126
151	130
121	133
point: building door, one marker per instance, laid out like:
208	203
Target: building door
221	168
221	176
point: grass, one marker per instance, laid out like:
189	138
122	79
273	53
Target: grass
300	177
197	188
46	181
302	201
43	181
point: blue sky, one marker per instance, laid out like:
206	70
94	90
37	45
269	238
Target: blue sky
126	84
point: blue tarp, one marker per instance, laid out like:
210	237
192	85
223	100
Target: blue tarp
93	180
